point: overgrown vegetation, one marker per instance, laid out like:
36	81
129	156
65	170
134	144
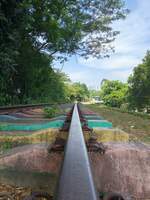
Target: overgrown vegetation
77	91
139	85
34	33
113	93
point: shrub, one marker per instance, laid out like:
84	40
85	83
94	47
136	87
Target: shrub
51	111
124	107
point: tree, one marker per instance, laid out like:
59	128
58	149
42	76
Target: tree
94	93
35	32
139	85
9	36
77	91
113	93
72	26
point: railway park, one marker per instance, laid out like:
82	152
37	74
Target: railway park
77	150
74	100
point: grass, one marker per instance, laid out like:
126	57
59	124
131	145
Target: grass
52	111
138	127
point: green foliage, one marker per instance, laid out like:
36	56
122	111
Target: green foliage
52	111
35	32
139	85
66	26
113	93
94	93
77	91
135	95
124	107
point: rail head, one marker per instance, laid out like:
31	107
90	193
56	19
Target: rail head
76	181
24	106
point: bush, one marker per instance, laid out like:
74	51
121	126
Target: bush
124	107
51	111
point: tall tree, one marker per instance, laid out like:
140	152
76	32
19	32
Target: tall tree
139	85
113	93
77	91
10	16
72	26
35	32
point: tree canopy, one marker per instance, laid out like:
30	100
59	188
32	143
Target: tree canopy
71	26
35	32
139	85
77	91
113	93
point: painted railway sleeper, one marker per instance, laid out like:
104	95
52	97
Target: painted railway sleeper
76	181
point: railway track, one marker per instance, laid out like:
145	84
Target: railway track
76	180
8	109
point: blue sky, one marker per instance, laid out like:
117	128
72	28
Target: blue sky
130	47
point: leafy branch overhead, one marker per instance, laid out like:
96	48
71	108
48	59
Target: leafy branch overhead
35	32
66	26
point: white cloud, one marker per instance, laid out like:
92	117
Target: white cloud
116	62
87	76
118	75
76	76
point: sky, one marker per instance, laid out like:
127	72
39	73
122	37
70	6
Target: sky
130	48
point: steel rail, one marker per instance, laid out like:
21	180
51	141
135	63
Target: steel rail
76	181
25	106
